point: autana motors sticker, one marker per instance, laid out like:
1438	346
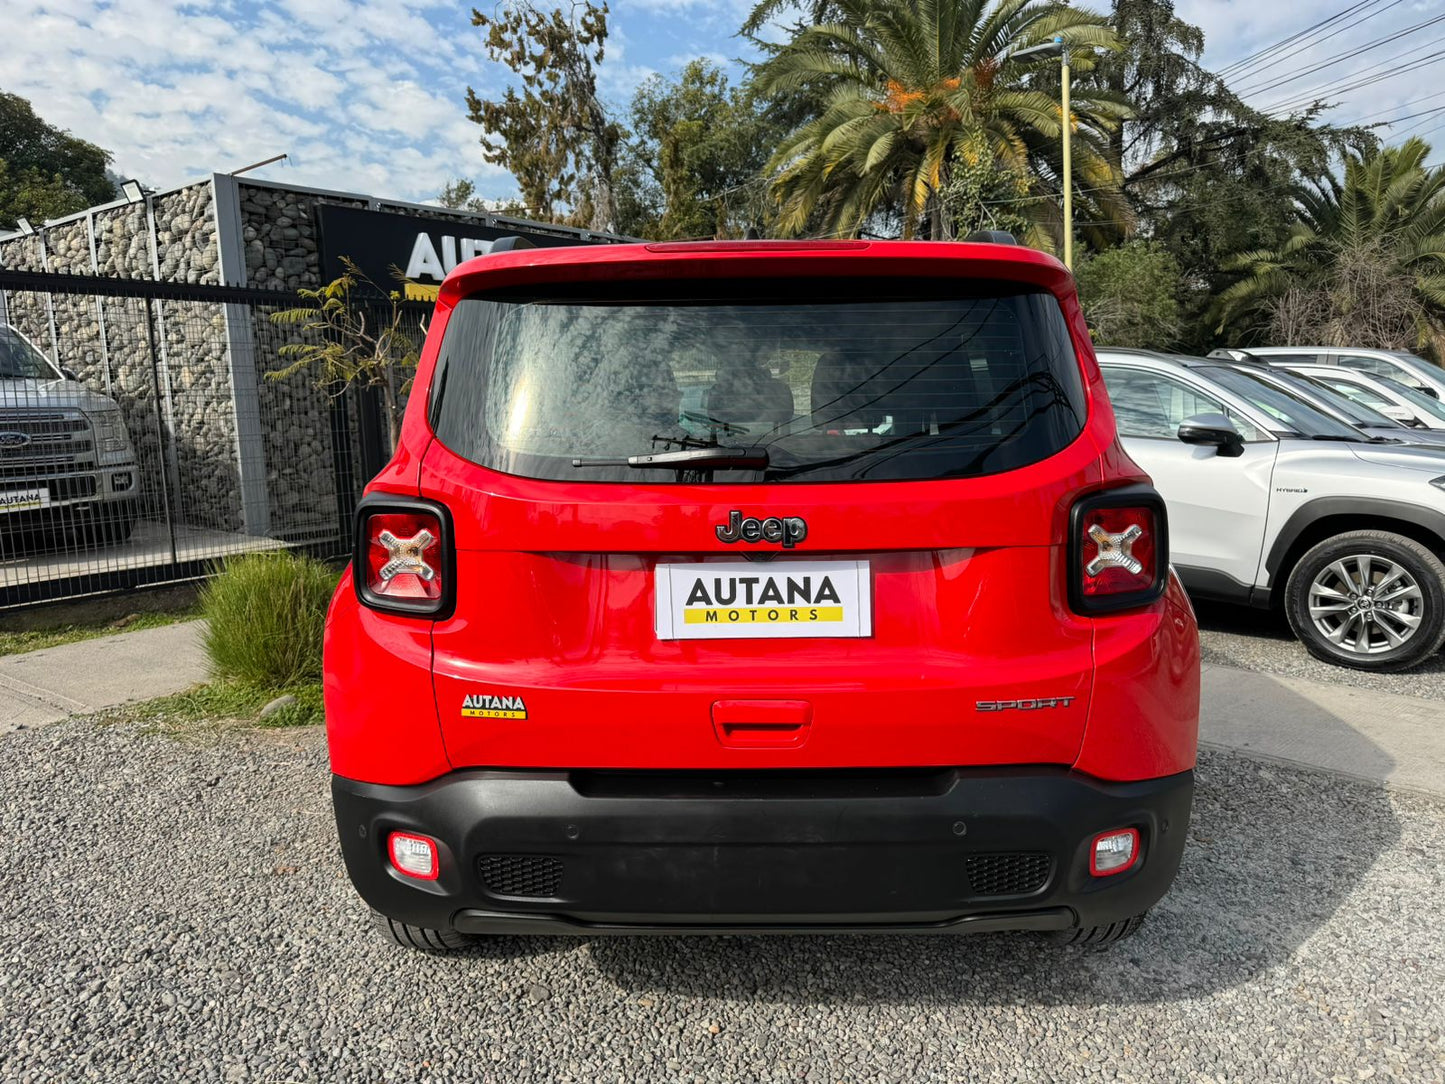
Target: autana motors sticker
20	500
711	600
484	706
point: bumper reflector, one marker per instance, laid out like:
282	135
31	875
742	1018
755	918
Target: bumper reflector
413	856
1114	852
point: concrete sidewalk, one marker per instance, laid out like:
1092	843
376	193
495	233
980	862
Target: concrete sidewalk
46	686
1358	732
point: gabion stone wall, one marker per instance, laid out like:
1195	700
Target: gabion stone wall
278	228
179	405
187	246
182	396
279	231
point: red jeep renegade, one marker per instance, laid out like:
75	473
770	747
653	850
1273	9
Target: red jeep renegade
760	586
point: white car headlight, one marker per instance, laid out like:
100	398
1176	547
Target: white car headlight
112	442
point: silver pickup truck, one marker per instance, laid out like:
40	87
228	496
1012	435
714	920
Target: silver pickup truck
67	466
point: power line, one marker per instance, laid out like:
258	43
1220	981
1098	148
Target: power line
1391	70
1258	69
1239	65
1411	116
1348	55
1401	105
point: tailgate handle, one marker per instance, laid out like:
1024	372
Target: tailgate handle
761	724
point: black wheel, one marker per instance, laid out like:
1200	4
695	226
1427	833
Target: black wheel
1369	600
436	942
1099	935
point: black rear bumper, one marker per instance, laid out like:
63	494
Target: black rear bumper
622	852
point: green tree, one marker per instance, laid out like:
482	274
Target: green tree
555	136
696	156
1130	295
901	84
1203	172
460	194
352	334
46	172
984	193
1362	265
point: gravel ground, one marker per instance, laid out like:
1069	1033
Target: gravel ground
176	910
1256	640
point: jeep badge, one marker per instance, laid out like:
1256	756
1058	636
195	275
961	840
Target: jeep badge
789	531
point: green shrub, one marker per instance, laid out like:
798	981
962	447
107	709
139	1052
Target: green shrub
264	617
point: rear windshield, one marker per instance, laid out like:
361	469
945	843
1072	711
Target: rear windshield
847	380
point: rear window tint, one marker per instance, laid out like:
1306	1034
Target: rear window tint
849	380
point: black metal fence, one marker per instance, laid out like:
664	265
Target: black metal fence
142	439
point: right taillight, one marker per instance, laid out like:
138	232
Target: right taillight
403	561
1118	550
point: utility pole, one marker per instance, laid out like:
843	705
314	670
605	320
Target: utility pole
1066	117
1068	163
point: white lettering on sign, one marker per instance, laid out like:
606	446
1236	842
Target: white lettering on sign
740	599
425	262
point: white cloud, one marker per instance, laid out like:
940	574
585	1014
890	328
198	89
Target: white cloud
1238	29
364	94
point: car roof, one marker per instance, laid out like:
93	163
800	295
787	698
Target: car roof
1181	361
760	259
1295	349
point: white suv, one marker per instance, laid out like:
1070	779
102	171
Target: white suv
1409	369
1398	401
1273	503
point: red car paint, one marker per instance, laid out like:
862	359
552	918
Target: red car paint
554	588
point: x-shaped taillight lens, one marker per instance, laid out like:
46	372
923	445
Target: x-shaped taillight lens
403	556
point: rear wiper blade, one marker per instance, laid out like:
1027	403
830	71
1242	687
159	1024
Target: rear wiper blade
714	458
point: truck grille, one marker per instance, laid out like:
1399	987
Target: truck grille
1008	874
50	448
56	440
520	874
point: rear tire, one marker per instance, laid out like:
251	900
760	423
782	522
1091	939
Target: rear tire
1353	596
435	942
1099	935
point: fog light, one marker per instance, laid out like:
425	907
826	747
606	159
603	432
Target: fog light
1114	852
413	856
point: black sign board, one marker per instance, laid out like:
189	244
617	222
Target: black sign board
422	248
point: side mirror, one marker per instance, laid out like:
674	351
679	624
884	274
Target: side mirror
1212	429
69	373
1398	412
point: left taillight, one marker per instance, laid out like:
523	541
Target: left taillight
1118	550
404	561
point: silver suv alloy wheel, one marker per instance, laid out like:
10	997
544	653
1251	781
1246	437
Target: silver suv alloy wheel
1366	603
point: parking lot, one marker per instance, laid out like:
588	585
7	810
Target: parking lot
180	903
1261	641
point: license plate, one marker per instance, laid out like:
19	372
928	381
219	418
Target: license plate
739	600
21	500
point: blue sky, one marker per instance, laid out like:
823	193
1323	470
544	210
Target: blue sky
368	95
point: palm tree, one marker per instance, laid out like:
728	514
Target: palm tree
900	85
1364	263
